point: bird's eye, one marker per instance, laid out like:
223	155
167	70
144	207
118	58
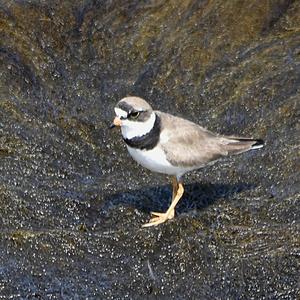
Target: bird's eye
134	115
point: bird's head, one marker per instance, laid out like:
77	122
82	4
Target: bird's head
135	117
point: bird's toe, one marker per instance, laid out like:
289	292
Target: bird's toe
158	218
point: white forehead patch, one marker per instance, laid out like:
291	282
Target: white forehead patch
120	112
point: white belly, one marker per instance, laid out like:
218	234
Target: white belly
155	160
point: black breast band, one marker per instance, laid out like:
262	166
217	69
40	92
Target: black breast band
147	141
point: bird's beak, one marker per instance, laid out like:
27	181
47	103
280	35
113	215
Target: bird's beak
117	122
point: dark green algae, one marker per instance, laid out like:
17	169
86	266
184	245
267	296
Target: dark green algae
73	202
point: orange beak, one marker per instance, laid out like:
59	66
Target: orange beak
117	122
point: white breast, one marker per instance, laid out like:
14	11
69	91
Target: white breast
155	160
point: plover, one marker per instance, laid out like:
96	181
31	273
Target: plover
171	145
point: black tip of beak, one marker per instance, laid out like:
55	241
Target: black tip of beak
112	125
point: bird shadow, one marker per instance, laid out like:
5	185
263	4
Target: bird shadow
157	198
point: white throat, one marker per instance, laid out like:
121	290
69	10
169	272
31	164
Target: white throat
131	129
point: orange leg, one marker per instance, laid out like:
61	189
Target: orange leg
170	213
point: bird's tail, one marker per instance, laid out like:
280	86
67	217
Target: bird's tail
239	145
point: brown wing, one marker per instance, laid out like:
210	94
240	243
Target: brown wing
188	144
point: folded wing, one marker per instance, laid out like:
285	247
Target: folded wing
191	145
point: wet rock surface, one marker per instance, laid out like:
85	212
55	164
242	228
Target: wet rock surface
72	202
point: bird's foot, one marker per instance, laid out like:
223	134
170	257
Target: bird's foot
170	214
160	218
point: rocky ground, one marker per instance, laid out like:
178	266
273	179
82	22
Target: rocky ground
72	202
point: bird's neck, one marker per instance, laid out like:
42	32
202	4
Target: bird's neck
147	141
138	129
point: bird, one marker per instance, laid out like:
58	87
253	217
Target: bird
171	145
